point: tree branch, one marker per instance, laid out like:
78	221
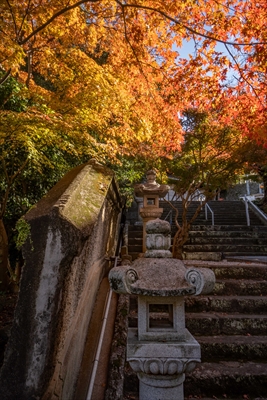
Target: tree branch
13	17
4	78
23	19
176	213
51	19
242	75
123	6
177	22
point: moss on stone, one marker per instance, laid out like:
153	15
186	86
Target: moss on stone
86	200
24	231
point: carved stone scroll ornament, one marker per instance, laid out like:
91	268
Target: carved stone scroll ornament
203	279
121	279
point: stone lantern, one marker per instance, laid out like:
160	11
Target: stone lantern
151	191
161	350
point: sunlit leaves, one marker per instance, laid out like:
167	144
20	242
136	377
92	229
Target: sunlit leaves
114	68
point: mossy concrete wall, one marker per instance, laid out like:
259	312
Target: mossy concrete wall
73	231
240	189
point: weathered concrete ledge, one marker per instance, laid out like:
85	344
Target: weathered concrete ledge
72	234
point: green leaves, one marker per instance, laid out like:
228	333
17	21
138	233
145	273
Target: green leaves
211	156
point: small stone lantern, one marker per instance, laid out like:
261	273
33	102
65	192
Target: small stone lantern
151	191
161	350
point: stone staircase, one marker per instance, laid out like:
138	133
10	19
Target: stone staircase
231	323
135	240
231	326
229	237
225	213
226	241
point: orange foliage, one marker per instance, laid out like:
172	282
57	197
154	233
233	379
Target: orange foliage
112	68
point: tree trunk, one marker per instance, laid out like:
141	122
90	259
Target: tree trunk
4	281
179	240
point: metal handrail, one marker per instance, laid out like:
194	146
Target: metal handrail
257	209
207	208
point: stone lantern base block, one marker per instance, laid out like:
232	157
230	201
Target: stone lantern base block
161	366
186	350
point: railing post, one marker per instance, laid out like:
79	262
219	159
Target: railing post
212	218
206	213
247	211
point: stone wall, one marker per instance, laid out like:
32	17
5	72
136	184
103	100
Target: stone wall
235	192
73	231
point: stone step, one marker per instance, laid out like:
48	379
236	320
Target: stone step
201	230
238	238
226	240
208	323
219	323
135	228
244	233
245	348
238	270
217	398
233	213
203	256
226	304
227	228
135	249
227	378
217	239
135	235
230	222
225	248
241	287
224	208
232	256
209	398
232	269
135	396
224	380
135	241
240	304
